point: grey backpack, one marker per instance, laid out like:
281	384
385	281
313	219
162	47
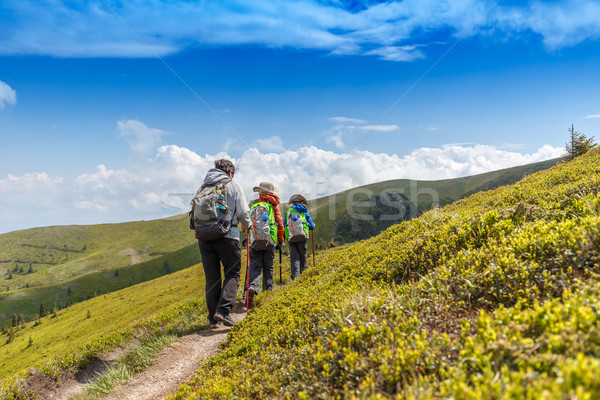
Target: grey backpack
209	211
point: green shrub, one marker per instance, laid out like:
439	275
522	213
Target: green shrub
493	296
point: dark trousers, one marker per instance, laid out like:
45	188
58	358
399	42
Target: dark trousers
297	258
227	252
261	261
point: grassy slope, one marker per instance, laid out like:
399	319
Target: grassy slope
27	301
57	255
494	296
386	203
71	335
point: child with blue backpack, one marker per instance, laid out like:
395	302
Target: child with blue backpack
266	236
297	225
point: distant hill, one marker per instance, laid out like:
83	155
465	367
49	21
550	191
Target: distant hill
48	264
365	211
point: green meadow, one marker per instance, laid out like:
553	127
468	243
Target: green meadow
62	265
82	331
43	256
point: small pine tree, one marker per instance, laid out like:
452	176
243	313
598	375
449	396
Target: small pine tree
43	310
30	342
10	276
30	270
84	247
116	273
15	320
21	270
89	315
167	267
69	290
578	144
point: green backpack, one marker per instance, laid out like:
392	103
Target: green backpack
263	228
296	230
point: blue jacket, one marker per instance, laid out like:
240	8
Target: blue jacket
302	209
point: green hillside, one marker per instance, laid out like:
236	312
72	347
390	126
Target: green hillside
495	296
26	302
80	333
365	211
59	253
61	265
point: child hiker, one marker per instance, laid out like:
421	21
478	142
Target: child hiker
266	236
297	224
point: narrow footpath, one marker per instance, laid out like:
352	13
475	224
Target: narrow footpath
174	365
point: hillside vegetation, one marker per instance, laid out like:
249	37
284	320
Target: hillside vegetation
495	296
61	265
73	337
365	211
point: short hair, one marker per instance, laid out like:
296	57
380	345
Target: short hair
225	166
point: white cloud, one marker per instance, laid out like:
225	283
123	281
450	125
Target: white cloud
273	143
8	96
429	127
560	23
397	53
141	139
345	120
163	184
378	128
388	30
347	128
593	116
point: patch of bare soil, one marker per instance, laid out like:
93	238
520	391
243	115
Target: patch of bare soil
41	386
135	255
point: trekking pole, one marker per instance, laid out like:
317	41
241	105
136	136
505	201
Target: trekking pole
280	258
247	268
312	237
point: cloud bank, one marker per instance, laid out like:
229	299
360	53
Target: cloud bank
163	184
395	30
8	96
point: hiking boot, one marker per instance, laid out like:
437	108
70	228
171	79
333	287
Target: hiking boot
251	295
225	319
215	325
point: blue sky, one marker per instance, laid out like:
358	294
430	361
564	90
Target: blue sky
109	109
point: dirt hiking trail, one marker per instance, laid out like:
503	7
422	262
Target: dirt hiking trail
174	365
